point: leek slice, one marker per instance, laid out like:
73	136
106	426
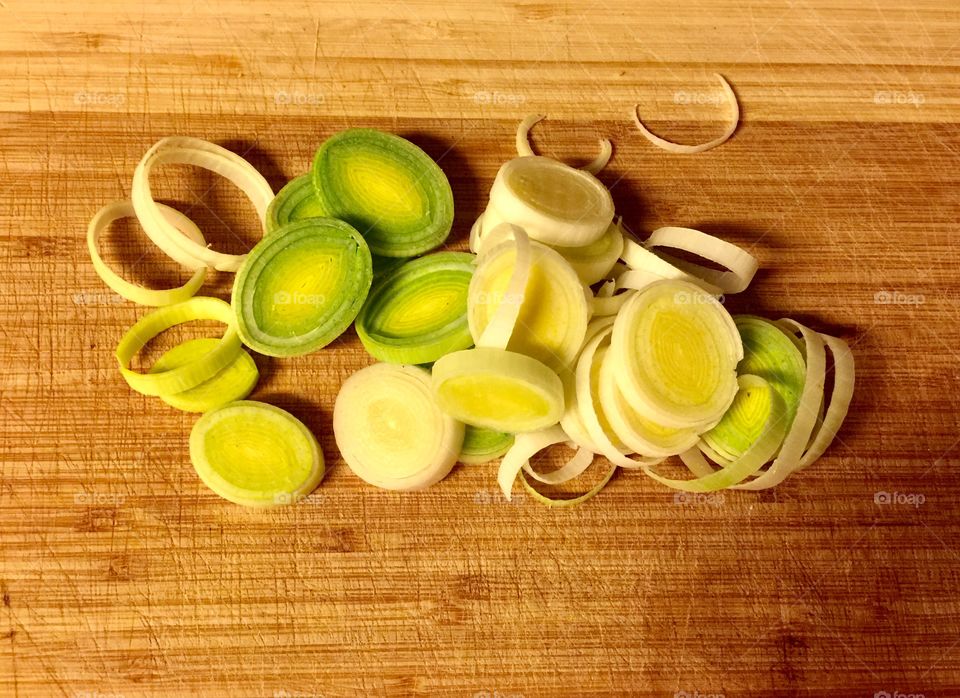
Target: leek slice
391	431
503	321
554	203
740	265
594	262
255	454
301	287
526	446
768	352
194	151
296	201
483	445
132	292
647	267
755	398
553	308
679	148
573	501
524	148
387	188
234	382
418	312
188	375
497	389
677	349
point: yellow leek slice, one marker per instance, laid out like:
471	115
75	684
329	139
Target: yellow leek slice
301	287
387	188
132	292
189	375
255	454
194	151
679	148
483	445
234	382
524	148
554	203
296	201
418	312
553	308
390	430
497	389
677	350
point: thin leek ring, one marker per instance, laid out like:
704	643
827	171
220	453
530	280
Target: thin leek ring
233	382
740	265
524	148
500	329
133	292
189	375
194	151
517	459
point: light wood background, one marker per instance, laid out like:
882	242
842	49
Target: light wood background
121	575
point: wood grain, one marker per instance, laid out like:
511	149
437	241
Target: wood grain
122	575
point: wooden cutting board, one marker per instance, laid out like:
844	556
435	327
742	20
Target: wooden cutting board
121	575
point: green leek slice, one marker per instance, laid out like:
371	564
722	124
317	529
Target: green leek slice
390	430
553	308
770	353
132	292
387	188
188	375
483	445
234	382
497	389
296	201
255	454
418	312
554	203
677	350
301	287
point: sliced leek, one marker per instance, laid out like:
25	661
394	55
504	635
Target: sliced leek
391	431
234	382
594	262
188	375
739	265
387	188
132	292
677	350
679	148
418	312
296	201
483	445
255	454
524	148
194	151
526	446
553	308
554	203
497	389
301	287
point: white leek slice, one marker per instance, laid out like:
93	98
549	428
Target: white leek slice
645	267
740	266
194	151
391	431
677	350
387	188
296	201
301	287
500	390
571	502
594	262
754	394
501	324
188	375
526	446
553	309
554	203
234	382
842	394
417	312
255	454
679	148
483	445
132	292
524	148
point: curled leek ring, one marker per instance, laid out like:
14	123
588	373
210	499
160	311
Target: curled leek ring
188	375
132	292
524	148
391	431
233	382
255	454
741	265
526	446
194	151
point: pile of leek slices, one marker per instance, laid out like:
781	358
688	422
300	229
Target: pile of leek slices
556	328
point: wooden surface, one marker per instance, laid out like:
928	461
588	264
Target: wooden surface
121	575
